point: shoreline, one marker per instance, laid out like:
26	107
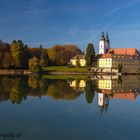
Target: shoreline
15	72
27	72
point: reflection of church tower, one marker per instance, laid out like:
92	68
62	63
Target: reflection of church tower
103	102
104	44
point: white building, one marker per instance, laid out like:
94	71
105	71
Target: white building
104	44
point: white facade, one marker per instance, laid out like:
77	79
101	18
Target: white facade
104	44
102	47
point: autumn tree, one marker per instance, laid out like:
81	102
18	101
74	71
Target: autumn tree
61	54
90	54
19	52
1	57
4	50
34	65
7	61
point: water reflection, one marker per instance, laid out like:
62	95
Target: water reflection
17	89
76	115
107	88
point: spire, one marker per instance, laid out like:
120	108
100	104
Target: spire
102	36
107	38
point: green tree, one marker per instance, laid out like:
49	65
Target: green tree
44	59
20	54
34	65
90	54
26	57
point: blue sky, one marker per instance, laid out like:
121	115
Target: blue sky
79	22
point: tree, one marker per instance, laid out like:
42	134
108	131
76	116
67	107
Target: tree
1	57
20	54
26	56
7	61
34	65
61	55
44	58
90	54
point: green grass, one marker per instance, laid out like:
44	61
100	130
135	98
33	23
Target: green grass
65	69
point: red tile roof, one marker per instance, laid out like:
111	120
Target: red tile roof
124	51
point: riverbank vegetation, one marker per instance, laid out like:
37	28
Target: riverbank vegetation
18	55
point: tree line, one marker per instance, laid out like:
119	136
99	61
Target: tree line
18	55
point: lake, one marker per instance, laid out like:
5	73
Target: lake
101	107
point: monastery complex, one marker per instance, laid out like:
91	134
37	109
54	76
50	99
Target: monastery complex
125	60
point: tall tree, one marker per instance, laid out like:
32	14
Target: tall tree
44	58
26	56
19	54
16	52
90	54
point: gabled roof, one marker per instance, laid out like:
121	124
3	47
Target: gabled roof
79	57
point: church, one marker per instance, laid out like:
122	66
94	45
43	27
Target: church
112	60
126	60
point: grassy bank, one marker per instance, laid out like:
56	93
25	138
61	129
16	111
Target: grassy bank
65	69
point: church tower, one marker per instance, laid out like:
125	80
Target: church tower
107	42
102	44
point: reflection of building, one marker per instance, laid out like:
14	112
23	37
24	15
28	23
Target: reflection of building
78	60
103	102
126	87
124	84
78	84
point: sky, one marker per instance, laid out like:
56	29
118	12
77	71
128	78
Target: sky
79	22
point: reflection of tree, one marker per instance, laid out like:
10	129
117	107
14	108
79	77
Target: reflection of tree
33	81
60	89
17	94
38	85
89	91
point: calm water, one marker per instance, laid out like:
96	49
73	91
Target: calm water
34	108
